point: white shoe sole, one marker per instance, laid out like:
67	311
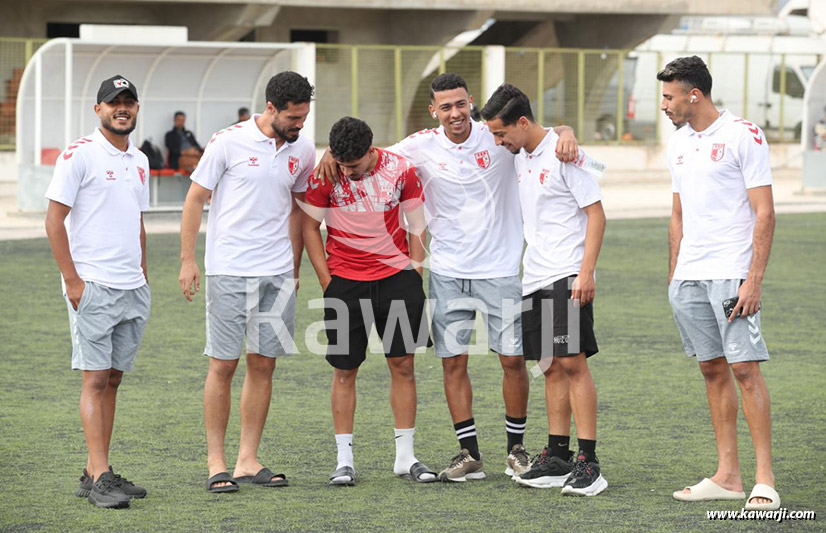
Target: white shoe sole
512	474
466	477
546	482
591	490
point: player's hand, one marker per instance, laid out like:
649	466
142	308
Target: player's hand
74	291
190	276
325	283
748	301
327	168
583	289
567	149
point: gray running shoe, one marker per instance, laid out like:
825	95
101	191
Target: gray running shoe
463	467
519	461
105	494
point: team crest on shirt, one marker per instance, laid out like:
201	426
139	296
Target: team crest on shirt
544	175
110	175
717	151
253	162
292	165
680	159
142	175
482	159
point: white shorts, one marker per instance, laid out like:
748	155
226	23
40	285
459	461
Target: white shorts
262	309
108	326
704	328
453	306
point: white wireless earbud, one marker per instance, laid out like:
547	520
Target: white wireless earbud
434	115
693	98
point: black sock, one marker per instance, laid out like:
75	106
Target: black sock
466	433
559	446
588	449
516	430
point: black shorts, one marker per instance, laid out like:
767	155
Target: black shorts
555	306
398	299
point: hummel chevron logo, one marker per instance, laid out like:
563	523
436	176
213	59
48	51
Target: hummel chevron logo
754	329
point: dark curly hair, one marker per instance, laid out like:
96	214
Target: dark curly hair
350	139
691	72
446	82
508	103
288	87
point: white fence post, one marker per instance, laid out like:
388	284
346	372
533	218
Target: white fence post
494	69
305	65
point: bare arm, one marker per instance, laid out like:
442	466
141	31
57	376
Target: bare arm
190	224
675	234
762	203
567	148
416	231
143	251
59	241
297	233
315	244
583	288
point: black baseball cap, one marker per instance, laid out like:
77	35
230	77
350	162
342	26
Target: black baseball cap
113	86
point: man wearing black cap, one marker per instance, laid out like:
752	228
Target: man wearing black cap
100	184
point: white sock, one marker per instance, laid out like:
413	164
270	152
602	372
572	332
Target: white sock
344	444
404	452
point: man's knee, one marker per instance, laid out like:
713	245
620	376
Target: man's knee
513	364
96	380
115	378
259	364
715	369
402	367
345	377
746	373
222	369
574	366
454	367
554	371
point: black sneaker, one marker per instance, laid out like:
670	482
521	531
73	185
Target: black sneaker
127	487
585	479
85	486
105	494
547	471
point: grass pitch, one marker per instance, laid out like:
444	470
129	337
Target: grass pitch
654	429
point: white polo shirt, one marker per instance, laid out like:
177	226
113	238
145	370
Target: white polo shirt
553	195
107	190
712	171
471	202
251	184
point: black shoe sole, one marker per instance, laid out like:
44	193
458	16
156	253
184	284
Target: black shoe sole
120	504
82	493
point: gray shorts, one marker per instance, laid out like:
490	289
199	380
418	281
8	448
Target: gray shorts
262	309
108	326
453	305
704	328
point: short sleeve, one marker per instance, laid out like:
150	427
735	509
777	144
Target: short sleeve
308	165
412	196
318	192
675	179
212	165
582	184
753	155
67	178
145	183
406	147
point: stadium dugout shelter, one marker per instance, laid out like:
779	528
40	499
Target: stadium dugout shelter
814	109
208	81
